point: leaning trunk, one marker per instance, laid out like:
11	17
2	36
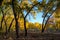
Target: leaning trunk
17	27
16	19
10	25
25	27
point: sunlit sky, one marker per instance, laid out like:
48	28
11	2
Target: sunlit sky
38	19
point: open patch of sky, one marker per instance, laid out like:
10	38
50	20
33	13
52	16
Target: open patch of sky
39	0
24	12
38	18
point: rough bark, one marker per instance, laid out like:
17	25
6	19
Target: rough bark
25	27
47	20
10	25
16	19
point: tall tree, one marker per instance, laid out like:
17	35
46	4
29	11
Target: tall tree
50	9
16	18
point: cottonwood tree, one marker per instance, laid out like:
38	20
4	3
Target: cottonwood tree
18	7
50	9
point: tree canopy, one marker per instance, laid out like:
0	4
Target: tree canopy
13	16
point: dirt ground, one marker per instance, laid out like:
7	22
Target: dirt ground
31	36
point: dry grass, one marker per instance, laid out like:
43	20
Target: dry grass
31	36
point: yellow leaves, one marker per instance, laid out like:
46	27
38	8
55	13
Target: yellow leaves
36	24
7	0
21	24
57	18
12	16
21	28
33	1
29	5
58	11
24	3
43	2
40	8
33	13
51	26
27	25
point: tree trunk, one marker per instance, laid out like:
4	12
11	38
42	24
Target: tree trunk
25	27
6	27
16	19
2	17
17	27
2	21
10	25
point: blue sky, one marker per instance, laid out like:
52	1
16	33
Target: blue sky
38	19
